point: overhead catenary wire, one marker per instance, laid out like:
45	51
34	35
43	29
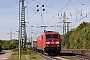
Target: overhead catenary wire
50	7
53	9
35	9
84	16
60	10
46	5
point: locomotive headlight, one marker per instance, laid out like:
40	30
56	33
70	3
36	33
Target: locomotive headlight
47	42
57	45
57	42
47	45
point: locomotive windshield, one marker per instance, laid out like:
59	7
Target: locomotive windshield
55	36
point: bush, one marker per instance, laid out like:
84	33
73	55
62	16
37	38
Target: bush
1	45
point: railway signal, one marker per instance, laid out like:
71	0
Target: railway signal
43	9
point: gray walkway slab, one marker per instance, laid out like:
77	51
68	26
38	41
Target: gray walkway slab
5	54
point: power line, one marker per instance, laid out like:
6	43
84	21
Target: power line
45	5
53	8
60	10
35	10
11	34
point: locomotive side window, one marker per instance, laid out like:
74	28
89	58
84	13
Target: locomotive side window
55	36
42	37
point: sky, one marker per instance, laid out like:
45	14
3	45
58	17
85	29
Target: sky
76	10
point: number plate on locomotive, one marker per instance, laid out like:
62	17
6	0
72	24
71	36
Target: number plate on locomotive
52	42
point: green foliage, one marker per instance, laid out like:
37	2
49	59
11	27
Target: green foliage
28	43
15	57
24	52
81	26
11	44
14	44
77	38
1	45
32	55
27	52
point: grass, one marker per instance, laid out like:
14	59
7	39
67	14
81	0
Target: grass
15	57
32	55
35	57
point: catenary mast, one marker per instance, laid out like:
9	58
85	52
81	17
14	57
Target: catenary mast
23	25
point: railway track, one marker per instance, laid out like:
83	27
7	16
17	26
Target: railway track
52	57
77	57
78	54
68	56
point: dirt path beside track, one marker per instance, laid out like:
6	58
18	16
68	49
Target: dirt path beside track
5	54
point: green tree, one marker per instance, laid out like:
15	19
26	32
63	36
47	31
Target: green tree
78	37
13	44
1	45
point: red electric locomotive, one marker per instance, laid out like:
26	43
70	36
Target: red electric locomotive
49	42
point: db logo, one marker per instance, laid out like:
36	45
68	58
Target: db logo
52	42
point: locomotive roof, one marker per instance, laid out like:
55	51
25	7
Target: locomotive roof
50	32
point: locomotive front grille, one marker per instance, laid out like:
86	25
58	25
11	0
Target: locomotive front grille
52	49
52	45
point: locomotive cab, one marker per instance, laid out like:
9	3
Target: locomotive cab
53	44
49	42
